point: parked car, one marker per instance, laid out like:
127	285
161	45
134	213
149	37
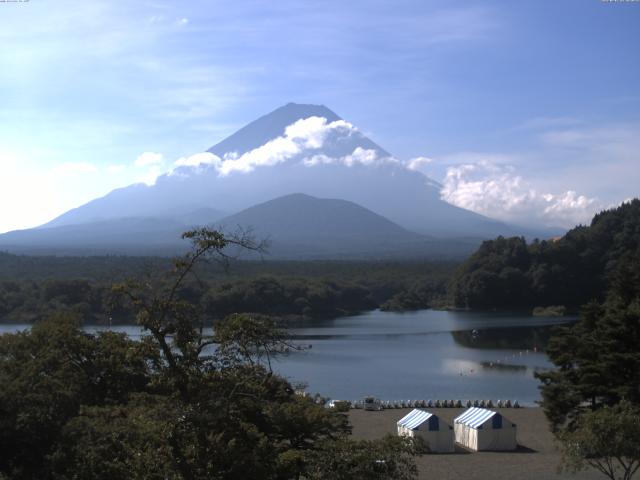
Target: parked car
372	404
340	405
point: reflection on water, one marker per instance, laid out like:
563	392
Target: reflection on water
514	338
505	367
425	354
415	355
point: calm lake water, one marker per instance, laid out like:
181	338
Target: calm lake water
417	355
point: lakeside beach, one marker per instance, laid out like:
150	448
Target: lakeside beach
537	457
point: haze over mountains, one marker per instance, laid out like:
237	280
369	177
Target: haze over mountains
352	198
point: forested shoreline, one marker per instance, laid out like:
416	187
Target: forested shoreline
549	277
569	271
32	288
83	405
106	406
503	274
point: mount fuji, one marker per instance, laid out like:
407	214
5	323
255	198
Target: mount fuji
296	149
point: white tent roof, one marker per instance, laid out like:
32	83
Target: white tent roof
474	417
414	418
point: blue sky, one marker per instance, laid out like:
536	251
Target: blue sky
509	101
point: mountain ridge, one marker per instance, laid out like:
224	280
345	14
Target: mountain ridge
296	148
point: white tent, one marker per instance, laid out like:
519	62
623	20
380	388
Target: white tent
481	429
437	434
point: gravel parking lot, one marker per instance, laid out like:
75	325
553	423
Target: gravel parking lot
537	457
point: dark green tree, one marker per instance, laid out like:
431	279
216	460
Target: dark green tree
607	440
183	402
592	398
388	458
48	374
571	271
597	360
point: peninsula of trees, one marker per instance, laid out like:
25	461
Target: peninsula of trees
570	271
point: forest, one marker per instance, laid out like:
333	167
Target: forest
32	288
568	271
80	405
504	273
75	405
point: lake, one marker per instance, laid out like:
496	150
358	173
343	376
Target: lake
416	355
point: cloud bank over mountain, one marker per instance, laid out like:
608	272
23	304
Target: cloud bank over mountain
303	138
308	149
431	78
296	148
482	184
498	191
486	187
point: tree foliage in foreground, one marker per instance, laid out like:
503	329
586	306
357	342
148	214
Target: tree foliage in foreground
176	404
390	458
607	440
592	398
597	360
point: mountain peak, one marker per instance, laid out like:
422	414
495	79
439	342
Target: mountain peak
305	110
270	126
324	160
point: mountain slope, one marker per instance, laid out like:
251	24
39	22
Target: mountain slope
128	235
297	226
133	235
302	226
320	225
273	125
296	148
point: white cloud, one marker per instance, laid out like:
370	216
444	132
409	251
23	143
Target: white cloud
359	156
152	162
301	137
75	168
305	134
273	152
497	191
319	159
417	164
203	158
603	158
470	157
196	162
566	138
38	190
313	131
570	208
151	175
116	168
614	138
22	186
148	159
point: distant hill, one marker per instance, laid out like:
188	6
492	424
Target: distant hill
301	225
297	226
134	236
571	270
